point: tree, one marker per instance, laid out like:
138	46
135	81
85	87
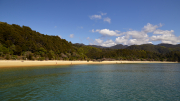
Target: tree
51	55
12	49
18	50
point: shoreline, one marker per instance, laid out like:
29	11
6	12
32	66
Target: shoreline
28	63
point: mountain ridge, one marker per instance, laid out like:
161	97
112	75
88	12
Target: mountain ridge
159	48
21	42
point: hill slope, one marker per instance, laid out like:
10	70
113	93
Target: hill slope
160	48
25	39
18	42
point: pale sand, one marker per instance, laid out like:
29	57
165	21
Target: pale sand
24	63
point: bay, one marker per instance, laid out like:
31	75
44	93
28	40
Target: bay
115	82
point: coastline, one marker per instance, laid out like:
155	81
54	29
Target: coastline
28	63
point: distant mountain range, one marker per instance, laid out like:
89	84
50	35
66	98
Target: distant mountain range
21	42
119	46
160	48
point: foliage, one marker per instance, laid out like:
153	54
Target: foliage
21	42
160	48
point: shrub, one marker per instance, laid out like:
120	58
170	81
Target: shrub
7	57
41	58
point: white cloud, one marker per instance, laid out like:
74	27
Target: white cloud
136	34
150	28
137	41
165	37
137	37
107	20
108	43
160	25
88	38
171	39
107	32
55	26
132	37
122	40
95	17
93	30
158	31
71	35
103	13
98	41
117	31
127	41
150	43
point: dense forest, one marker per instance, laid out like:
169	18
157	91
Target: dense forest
21	43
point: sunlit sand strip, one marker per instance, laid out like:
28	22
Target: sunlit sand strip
24	63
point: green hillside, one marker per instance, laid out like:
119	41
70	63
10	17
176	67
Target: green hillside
160	48
21	42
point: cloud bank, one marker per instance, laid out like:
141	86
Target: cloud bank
134	37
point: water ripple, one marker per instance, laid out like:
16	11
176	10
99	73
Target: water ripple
92	82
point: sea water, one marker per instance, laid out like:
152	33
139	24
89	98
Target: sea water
113	82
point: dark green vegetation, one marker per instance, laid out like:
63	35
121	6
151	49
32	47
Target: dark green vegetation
18	42
160	48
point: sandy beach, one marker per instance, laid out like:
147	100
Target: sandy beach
24	63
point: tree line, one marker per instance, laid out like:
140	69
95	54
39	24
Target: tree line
21	42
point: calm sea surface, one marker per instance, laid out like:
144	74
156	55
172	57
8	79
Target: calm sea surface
117	82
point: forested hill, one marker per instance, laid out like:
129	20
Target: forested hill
16	40
25	39
119	46
21	42
160	48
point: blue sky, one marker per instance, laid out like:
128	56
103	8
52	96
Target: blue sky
98	22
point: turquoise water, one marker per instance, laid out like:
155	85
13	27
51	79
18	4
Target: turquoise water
117	82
